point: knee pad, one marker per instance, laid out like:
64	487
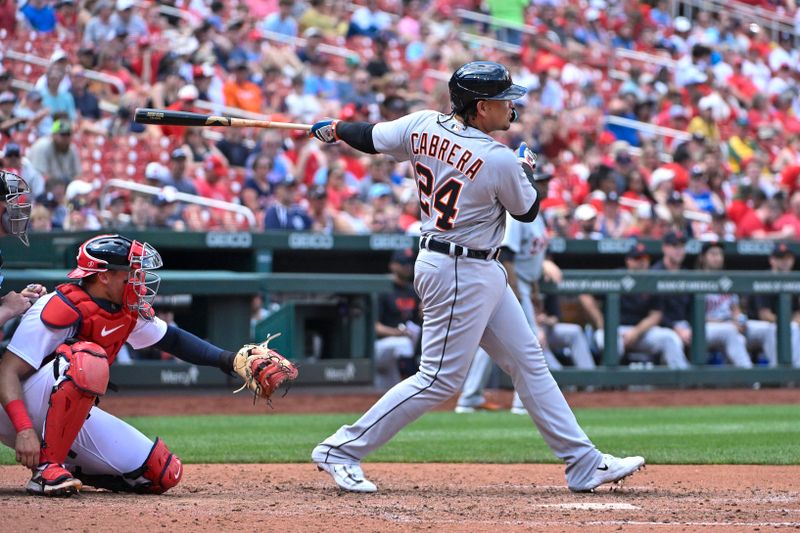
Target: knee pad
87	366
81	376
162	469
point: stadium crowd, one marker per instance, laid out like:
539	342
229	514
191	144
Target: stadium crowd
728	166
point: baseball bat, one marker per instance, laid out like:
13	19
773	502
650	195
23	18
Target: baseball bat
169	117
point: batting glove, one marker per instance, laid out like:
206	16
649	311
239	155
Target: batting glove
526	156
325	131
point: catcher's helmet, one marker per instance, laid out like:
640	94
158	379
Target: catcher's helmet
115	252
482	80
102	253
14	191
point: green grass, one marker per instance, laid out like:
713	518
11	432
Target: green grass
759	434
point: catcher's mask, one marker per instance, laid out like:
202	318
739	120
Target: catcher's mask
114	252
16	194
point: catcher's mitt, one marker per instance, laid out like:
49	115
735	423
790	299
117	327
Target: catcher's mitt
263	369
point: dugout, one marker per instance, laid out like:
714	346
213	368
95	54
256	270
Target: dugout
323	289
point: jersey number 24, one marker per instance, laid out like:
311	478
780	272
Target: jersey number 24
444	200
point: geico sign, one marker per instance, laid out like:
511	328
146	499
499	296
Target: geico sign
390	242
313	241
229	240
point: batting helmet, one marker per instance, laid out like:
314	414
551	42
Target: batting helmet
482	80
14	191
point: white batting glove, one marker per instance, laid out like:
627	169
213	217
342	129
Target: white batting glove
527	156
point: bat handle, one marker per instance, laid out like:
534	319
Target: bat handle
243	122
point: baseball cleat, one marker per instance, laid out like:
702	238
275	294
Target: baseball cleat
611	470
53	480
519	411
348	477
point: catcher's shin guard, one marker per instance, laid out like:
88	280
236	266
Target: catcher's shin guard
81	376
162	470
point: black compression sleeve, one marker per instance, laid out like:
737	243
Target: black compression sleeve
195	350
530	215
357	134
534	210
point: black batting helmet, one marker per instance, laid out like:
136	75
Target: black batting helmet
482	80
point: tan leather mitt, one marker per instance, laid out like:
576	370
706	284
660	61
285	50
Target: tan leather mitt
263	369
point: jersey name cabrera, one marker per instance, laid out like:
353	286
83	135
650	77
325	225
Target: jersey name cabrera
465	179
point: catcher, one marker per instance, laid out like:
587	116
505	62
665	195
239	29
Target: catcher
57	367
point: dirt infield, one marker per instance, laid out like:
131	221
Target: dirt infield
422	497
413	497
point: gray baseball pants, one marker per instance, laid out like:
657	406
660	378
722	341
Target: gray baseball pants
663	342
466	303
725	336
387	351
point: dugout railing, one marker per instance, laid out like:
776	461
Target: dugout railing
612	284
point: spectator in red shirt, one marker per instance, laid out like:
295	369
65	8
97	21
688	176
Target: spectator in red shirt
110	62
741	85
67	15
761	113
336	185
144	63
758	223
790	218
305	156
8	16
790	178
681	163
216	183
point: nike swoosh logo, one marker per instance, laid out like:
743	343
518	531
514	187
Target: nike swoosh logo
604	467
106	333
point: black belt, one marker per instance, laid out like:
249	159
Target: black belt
448	248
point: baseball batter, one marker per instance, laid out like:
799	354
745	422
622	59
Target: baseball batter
57	366
466	182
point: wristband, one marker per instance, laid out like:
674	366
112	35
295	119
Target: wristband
18	414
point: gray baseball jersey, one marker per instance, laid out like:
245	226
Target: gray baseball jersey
528	241
465	179
720	306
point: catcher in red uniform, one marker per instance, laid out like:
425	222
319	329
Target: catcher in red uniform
57	366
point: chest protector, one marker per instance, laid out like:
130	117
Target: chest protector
72	306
